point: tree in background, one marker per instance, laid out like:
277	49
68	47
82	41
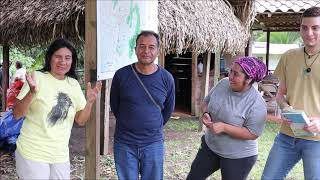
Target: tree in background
33	58
16	55
278	37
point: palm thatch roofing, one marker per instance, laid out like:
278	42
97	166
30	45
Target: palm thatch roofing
204	26
33	22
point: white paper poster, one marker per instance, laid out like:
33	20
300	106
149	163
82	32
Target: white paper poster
118	24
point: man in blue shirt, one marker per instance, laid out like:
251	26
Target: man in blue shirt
142	100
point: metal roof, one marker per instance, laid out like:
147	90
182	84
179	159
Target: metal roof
284	5
281	15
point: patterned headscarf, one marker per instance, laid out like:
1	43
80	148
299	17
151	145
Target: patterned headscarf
253	67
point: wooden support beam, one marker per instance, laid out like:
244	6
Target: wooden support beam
102	118
216	68
194	78
268	50
5	75
204	84
92	147
248	50
162	59
106	122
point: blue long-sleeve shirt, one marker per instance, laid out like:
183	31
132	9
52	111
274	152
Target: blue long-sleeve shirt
138	120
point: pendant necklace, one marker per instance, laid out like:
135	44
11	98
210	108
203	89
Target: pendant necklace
308	69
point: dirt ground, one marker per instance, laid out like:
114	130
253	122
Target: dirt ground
176	139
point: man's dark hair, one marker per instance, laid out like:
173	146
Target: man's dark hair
311	12
148	33
55	46
18	64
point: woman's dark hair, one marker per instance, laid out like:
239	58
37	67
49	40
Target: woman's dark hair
18	64
55	46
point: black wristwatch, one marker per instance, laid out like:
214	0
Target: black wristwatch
205	113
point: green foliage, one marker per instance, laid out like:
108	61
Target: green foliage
16	55
278	37
80	63
33	58
38	62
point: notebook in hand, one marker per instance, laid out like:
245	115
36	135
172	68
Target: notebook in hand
299	120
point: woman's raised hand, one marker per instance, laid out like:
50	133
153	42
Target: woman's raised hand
31	79
92	93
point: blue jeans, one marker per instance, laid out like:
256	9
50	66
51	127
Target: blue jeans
286	152
130	160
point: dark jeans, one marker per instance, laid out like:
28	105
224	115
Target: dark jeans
207	162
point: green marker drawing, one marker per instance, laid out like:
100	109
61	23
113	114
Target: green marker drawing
114	3
134	10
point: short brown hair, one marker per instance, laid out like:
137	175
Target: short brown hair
311	12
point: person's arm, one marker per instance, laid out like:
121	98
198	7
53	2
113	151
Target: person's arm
169	103
220	127
233	131
83	115
21	107
282	102
280	97
115	96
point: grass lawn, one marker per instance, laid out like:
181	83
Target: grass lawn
181	151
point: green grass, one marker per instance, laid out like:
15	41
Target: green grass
265	143
182	125
182	146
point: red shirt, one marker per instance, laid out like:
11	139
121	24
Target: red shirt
12	93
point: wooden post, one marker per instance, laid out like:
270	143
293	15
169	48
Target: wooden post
5	75
106	118
216	68
162	58
102	116
268	50
194	78
93	126
204	83
248	49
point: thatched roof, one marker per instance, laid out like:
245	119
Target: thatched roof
206	25
202	26
33	22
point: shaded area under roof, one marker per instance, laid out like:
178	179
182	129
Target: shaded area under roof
281	15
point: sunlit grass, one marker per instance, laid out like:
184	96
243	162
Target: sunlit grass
181	151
